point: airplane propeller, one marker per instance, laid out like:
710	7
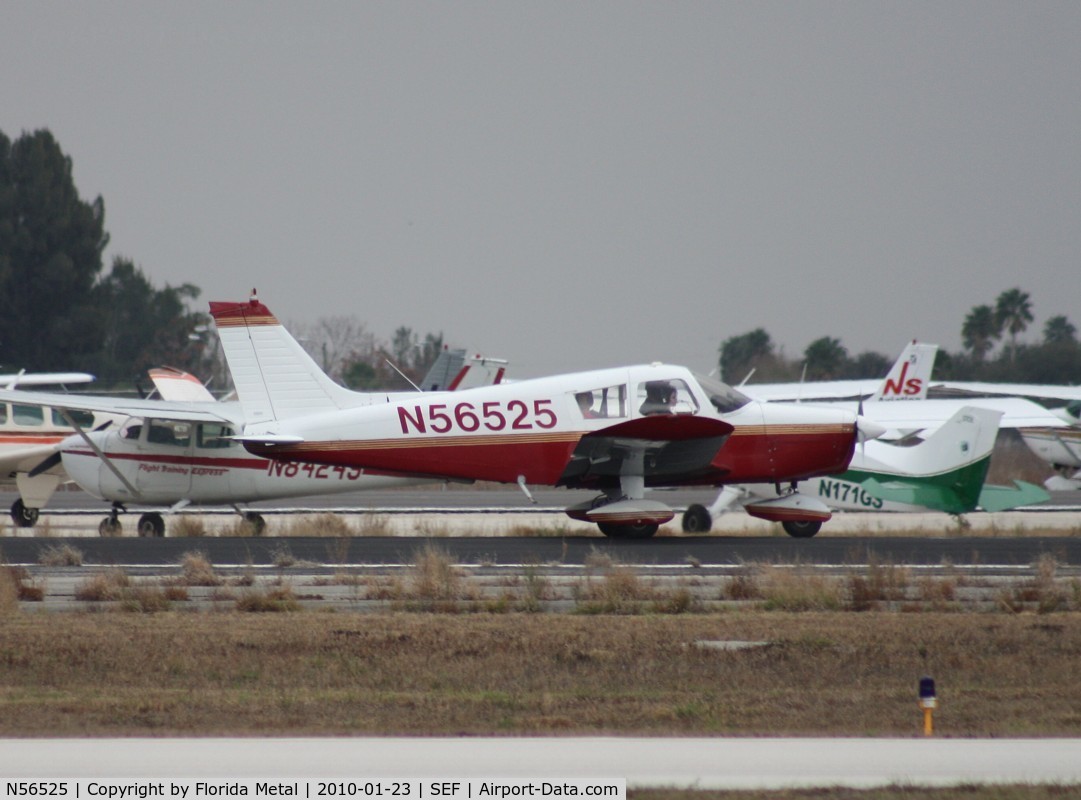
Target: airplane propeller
53	459
46	464
866	428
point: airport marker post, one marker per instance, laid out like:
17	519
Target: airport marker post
928	704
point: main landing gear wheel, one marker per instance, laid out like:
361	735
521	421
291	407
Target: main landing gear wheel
801	529
697	519
643	531
110	527
152	524
22	516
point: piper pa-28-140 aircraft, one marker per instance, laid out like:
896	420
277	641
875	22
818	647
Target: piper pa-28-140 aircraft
181	451
618	431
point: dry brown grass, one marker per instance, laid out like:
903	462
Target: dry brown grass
197	570
65	555
189	526
321	525
9	591
310	673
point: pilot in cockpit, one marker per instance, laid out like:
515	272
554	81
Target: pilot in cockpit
585	405
660	398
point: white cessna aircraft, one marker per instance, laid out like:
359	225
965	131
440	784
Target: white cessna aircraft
181	450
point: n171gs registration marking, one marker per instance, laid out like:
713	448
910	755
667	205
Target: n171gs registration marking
844	492
495	415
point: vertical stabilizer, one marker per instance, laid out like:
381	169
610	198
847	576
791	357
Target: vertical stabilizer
911	374
273	375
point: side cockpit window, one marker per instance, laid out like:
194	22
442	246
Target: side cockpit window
604	402
169	432
215	436
666	397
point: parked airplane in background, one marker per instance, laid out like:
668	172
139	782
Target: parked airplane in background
946	472
907	379
617	431
908	383
1058	444
29	434
181	451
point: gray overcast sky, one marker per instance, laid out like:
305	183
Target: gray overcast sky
577	184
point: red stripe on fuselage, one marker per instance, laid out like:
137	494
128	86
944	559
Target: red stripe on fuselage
757	454
23	439
256	463
540	458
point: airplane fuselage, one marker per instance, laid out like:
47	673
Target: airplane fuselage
201	471
531	430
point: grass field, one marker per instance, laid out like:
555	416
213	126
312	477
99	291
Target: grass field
854	674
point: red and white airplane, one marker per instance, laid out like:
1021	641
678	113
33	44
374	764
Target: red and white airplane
618	431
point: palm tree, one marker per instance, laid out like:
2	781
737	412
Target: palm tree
1013	313
825	357
980	331
1059	330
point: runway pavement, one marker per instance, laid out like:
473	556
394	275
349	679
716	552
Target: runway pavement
681	551
703	763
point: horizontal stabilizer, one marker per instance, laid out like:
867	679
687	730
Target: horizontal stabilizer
1003	498
935	497
269	439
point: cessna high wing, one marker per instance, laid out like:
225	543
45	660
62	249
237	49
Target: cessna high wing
1057	443
946	473
182	451
617	431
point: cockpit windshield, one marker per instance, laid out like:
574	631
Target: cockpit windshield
723	397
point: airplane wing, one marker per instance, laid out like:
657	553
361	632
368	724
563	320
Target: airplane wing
929	415
812	390
44	379
907	379
669	446
159	409
1042	390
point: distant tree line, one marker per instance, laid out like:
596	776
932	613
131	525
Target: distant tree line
1056	359
60	310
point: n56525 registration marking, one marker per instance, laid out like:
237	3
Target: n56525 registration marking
514	415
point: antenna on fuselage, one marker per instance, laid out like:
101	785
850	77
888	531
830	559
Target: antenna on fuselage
394	367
